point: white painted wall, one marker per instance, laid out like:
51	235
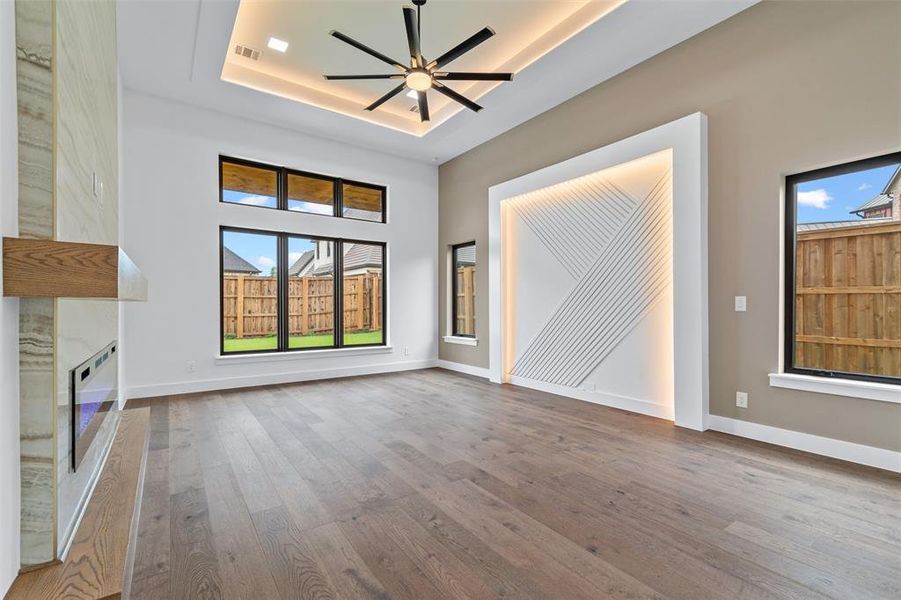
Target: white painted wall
171	227
9	309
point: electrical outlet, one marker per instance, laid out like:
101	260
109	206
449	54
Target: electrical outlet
406	351
741	399
741	303
191	366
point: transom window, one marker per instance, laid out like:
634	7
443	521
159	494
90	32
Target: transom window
843	271
257	184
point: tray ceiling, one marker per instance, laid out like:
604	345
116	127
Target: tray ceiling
525	31
178	50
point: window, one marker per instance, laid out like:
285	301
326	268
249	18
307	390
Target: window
311	194
311	294
248	183
249	291
362	293
361	201
843	271
463	290
281	292
257	184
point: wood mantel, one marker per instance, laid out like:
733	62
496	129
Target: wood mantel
34	268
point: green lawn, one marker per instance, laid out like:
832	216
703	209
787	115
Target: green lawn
300	341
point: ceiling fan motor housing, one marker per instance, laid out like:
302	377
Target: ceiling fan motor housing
422	76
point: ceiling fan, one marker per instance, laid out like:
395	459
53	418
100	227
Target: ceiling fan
421	75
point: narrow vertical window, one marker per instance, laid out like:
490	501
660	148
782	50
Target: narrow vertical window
843	271
311	293
363	293
463	289
250	305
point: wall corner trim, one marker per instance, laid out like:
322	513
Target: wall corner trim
815	444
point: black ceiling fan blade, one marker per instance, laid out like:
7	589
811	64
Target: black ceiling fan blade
387	97
461	48
367	50
423	106
443	89
410	22
349	77
474	76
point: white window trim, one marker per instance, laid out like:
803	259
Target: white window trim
868	390
237	359
462	340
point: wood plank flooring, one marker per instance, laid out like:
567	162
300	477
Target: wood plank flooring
429	484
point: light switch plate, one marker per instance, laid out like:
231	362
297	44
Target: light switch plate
741	303
741	399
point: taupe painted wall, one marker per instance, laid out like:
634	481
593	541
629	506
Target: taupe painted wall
787	87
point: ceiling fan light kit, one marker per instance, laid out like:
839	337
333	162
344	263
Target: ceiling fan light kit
420	76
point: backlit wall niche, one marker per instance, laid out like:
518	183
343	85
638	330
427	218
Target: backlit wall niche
588	282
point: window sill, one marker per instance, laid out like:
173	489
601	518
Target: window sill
237	359
868	390
463	341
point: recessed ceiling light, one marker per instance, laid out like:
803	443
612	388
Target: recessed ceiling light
413	94
277	44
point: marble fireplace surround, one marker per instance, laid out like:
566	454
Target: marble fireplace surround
67	94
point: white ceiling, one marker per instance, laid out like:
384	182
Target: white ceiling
176	50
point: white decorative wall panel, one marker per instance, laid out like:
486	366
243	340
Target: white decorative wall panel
610	233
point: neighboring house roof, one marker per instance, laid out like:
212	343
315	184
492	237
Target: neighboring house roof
232	263
359	213
880	201
883	199
357	256
838	224
466	255
300	264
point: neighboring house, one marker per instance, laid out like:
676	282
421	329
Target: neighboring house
358	259
885	207
232	264
303	265
466	256
887	204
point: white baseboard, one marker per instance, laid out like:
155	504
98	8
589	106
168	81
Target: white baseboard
462	368
856	453
226	383
637	405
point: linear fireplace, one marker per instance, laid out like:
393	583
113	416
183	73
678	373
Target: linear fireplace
92	389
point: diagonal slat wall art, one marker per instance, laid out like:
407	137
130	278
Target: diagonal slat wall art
620	251
576	219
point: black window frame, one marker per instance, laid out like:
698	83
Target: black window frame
282	174
282	266
454	249
790	250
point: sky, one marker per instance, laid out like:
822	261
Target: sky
260	250
831	198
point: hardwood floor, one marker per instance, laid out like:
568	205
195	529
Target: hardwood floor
429	484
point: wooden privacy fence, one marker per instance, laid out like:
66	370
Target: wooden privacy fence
310	306
466	289
848	299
